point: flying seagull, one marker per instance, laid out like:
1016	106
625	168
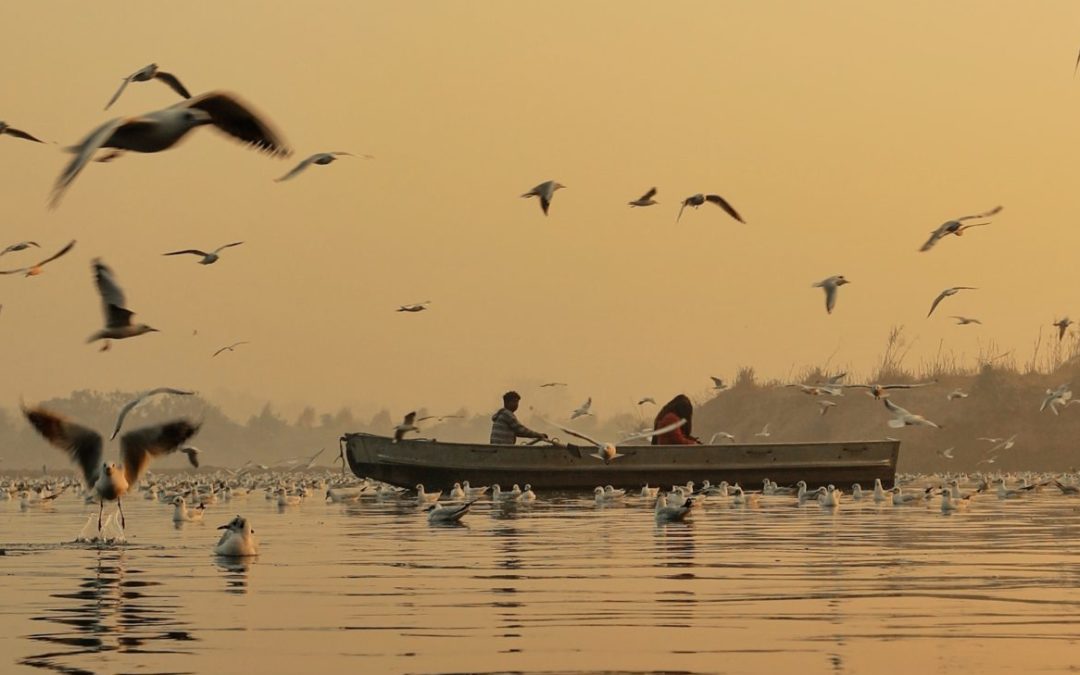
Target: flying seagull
35	270
162	129
130	405
946	293
17	133
110	482
964	320
902	418
645	199
320	158
544	191
606	452
207	258
718	384
582	409
699	199
1063	326
19	246
1056	397
878	390
117	316
830	285
414	307
553	384
647	399
146	74
229	348
407	425
956	227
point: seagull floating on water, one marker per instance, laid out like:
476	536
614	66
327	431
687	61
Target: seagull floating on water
544	191
208	258
109	481
34	270
130	405
238	540
444	515
145	74
697	200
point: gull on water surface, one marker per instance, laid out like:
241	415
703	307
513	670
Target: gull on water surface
238	540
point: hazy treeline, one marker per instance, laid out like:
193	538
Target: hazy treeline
1003	400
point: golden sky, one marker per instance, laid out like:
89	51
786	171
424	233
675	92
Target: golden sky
842	131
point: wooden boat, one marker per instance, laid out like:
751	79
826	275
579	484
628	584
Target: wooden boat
439	465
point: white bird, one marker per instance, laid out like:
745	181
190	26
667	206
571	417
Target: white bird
238	540
831	497
947	453
645	199
901	498
36	269
425	497
856	492
830	284
5	128
182	514
544	191
145	74
527	495
319	158
764	433
408	425
130	405
956	227
955	394
602	496
473	491
1005	493
208	258
718	384
950	503
607	452
697	200
721	434
825	406
964	320
498	495
902	418
879	491
947	293
444	515
663	513
109	481
162	129
19	246
1056	397
582	409
457	493
286	499
740	498
878	391
117	316
649	492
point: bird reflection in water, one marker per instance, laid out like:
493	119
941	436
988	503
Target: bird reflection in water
113	610
235	572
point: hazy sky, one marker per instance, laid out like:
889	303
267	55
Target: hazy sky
842	131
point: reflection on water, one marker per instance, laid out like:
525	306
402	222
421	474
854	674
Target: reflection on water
561	585
113	609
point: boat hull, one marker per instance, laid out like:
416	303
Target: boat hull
440	465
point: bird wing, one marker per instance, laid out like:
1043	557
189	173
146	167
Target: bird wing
655	432
410	418
130	405
895	409
112	298
83	445
984	214
681	209
830	297
578	434
298	168
934	236
225	246
58	254
936	302
83	152
545	201
138	446
722	203
123	86
906	386
173	82
648	195
237	119
188	250
19	133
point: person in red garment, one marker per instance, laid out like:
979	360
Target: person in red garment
677	408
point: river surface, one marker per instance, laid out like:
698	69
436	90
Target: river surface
558	586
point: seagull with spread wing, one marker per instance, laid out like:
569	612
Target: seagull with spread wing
17	133
829	285
902	418
645	199
110	481
207	258
545	191
145	74
606	452
229	348
37	269
947	293
697	200
320	159
414	307
162	129
957	227
19	246
878	391
130	405
117	316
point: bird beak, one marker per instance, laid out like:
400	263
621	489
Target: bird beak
224	527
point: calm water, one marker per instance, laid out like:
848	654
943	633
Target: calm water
560	586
